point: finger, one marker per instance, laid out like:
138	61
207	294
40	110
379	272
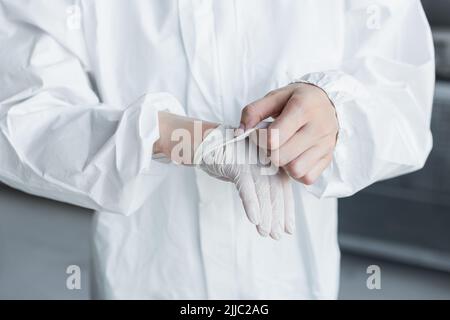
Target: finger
315	172
261	109
262	188
261	138
247	193
295	146
277	199
299	167
292	118
289	206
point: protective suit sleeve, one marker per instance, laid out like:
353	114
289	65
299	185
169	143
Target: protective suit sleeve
57	140
383	97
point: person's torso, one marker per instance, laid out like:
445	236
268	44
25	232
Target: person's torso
214	56
191	239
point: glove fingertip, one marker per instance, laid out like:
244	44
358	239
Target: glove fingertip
254	220
252	214
289	228
275	235
262	231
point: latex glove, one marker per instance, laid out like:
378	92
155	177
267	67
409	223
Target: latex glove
266	192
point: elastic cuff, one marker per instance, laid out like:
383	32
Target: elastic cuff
151	104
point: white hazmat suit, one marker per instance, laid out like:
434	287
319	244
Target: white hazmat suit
81	83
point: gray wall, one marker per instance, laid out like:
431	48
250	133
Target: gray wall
39	239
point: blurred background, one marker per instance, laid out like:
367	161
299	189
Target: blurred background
401	225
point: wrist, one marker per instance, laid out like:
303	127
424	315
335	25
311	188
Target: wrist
180	137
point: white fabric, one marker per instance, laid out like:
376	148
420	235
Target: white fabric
73	128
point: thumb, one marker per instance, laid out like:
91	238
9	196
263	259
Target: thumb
271	105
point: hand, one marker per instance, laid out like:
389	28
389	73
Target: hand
265	193
303	136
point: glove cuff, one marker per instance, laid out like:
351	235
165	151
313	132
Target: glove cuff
218	138
212	141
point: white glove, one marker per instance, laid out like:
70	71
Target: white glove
266	192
